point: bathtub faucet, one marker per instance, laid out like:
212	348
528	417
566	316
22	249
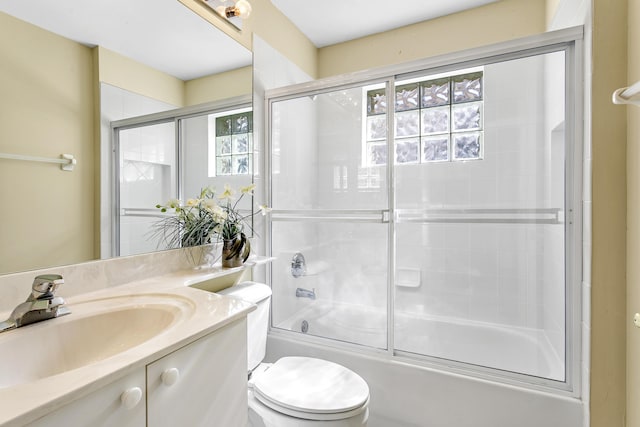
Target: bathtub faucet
306	293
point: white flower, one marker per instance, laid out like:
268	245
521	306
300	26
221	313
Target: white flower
207	191
247	189
173	203
210	205
264	209
227	194
193	202
219	214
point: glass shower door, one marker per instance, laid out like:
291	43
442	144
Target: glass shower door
147	172
329	229
480	229
175	155
440	208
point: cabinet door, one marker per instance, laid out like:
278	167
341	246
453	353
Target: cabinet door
201	384
105	407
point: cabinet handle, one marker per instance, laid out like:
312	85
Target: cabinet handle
131	397
170	376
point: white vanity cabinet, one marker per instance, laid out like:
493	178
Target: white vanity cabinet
119	404
201	384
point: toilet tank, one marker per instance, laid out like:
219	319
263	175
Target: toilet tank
257	320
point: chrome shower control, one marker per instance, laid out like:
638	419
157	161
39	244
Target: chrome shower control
298	265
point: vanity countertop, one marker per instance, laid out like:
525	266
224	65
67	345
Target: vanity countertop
206	312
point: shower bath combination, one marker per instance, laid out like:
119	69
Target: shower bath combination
441	229
442	238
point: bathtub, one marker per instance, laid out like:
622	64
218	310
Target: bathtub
404	394
522	350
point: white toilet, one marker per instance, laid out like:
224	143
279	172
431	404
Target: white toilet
296	391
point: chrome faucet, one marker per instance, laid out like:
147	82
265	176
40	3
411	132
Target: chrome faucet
41	304
306	293
298	265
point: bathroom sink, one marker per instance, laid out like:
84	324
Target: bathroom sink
94	331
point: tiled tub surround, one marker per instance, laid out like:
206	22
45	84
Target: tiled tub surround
166	273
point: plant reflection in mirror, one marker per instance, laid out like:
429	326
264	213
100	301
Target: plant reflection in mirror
210	218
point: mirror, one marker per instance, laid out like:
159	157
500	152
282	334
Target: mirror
58	58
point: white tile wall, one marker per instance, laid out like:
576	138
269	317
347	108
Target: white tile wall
117	104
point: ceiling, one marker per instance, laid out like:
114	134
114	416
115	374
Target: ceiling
327	22
162	34
167	36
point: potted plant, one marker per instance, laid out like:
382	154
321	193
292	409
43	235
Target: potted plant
210	218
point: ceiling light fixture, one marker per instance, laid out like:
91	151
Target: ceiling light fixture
242	9
239	8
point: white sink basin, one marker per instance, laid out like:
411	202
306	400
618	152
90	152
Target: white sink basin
95	330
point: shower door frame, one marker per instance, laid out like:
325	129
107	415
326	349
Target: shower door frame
568	41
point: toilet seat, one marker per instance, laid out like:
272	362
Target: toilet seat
312	389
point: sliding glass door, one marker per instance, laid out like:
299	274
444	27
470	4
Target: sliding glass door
148	170
480	216
433	214
330	230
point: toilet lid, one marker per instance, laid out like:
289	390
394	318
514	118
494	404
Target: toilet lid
312	388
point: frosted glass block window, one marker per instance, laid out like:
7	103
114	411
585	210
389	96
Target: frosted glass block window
376	102
408	150
435	92
436	120
234	143
377	154
240	143
407	97
467	87
241	165
223	145
435	148
224	166
467	146
376	127
408	124
466	117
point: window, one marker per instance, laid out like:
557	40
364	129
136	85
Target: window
437	119
233	143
